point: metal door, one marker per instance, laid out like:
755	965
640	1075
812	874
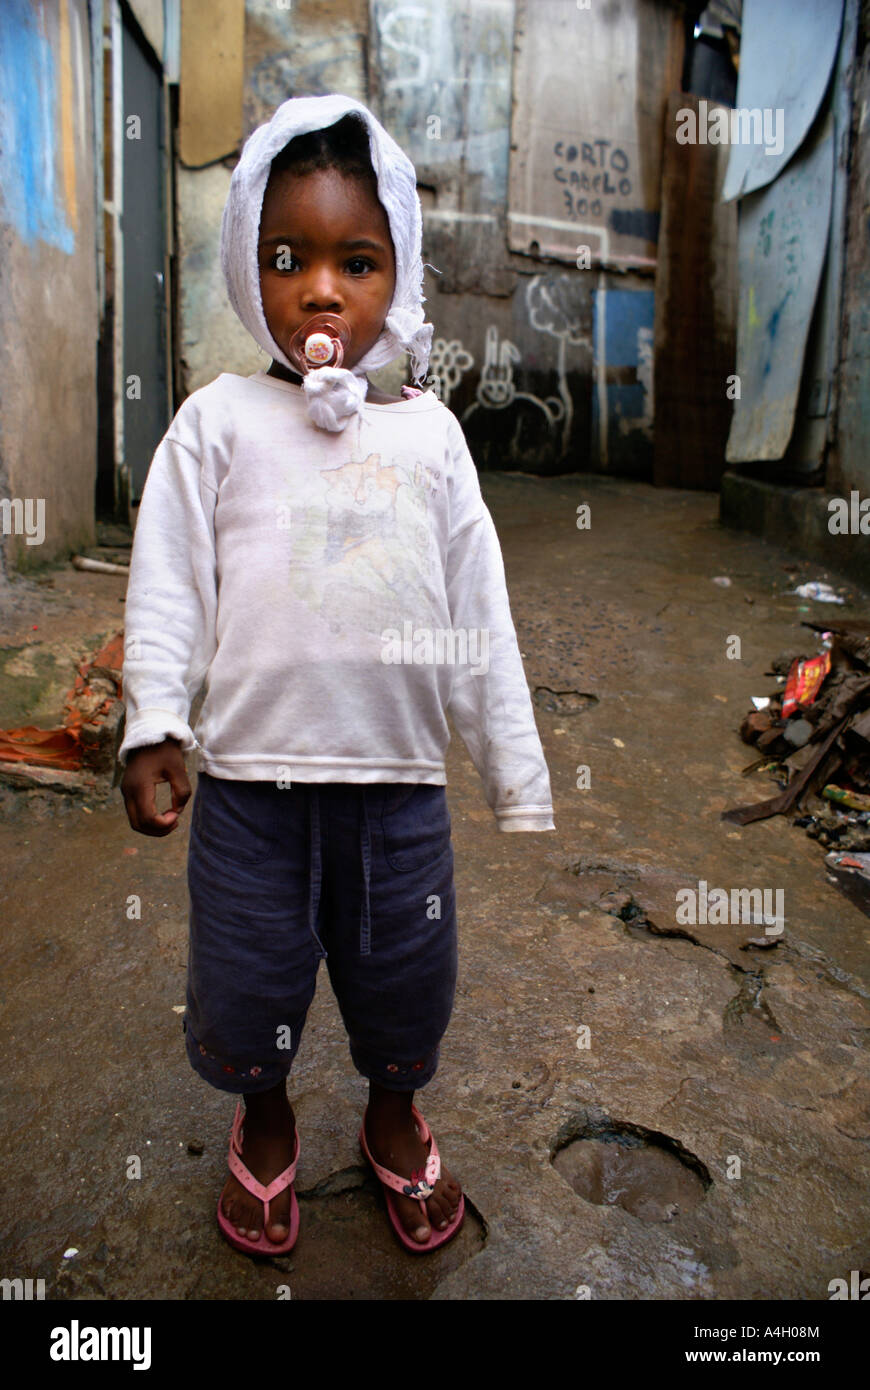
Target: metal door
144	383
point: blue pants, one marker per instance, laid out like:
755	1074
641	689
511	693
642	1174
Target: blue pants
358	875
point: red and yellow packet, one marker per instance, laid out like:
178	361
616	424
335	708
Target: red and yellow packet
804	682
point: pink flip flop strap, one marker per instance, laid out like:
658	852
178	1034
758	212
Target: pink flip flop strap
244	1174
432	1170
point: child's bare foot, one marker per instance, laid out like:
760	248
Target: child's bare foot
394	1143
268	1145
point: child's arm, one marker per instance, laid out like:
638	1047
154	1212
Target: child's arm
170	629
492	710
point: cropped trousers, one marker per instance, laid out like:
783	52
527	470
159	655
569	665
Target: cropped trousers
357	875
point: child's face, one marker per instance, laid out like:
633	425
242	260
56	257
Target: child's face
341	258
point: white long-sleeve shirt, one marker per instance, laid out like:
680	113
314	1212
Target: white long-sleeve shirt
338	593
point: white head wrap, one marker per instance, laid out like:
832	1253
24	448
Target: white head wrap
333	393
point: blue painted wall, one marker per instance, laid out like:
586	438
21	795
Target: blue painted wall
622	323
30	198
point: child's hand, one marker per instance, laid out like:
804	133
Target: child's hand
145	769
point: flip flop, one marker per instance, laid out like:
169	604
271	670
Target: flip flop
419	1186
262	1246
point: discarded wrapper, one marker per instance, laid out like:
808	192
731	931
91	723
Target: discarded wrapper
822	593
849	859
804	682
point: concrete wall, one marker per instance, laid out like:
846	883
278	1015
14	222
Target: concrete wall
48	295
548	365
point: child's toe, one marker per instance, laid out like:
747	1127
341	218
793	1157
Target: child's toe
278	1227
413	1220
438	1213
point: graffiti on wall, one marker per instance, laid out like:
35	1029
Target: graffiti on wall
594	176
553	308
586	140
445	83
496	388
448	361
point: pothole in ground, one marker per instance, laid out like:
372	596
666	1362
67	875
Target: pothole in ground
648	1174
562	701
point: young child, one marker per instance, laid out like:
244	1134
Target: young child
320	555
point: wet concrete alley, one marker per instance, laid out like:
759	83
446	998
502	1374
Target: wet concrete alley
707	1138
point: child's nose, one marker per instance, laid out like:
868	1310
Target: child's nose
322	292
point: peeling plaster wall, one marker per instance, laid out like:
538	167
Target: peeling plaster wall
552	362
48	293
311	49
441	84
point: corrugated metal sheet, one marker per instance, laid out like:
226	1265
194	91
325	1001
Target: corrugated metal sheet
782	239
787	51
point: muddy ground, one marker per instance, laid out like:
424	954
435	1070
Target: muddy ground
706	1138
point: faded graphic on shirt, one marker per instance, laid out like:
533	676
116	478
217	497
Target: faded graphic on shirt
365	558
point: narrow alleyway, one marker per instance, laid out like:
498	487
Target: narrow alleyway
734	1076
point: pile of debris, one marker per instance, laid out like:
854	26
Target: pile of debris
80	756
814	736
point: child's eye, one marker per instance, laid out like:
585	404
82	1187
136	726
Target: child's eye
358	265
284	259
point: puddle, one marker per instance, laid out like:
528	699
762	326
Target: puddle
562	701
647	1174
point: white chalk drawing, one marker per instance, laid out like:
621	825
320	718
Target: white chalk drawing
549	313
453	61
496	389
391	27
496	385
448	361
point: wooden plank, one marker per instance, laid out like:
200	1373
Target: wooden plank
590	94
212	68
849	465
696	312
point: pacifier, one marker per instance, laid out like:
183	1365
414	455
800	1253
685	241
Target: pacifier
321	342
